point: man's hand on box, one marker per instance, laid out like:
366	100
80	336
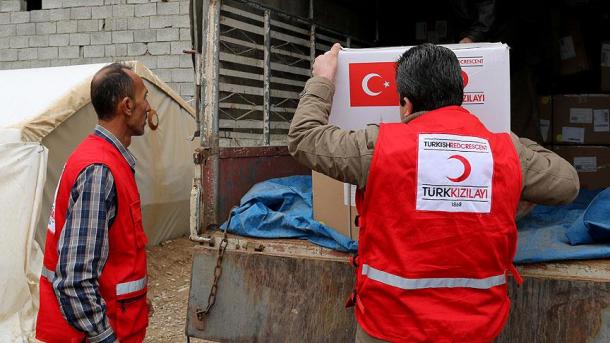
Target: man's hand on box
326	65
466	40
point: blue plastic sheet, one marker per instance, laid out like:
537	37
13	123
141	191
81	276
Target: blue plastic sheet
571	232
282	208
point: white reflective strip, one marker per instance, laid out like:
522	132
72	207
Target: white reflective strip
404	283
131	286
48	274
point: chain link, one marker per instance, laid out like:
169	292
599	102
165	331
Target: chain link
217	271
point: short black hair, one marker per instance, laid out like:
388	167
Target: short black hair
109	85
430	77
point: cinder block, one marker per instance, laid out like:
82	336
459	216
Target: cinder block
47	4
158	48
121	50
47	53
122	37
17	42
59	14
5	18
26	29
46	28
101	12
182	75
113	2
27	54
8	30
88	25
184	7
62	39
14	65
187	89
172	61
39	41
168	35
167	8
93	51
177	48
5	42
115	24
149	61
80	39
80	13
60	62
182	21
82	3
185	34
40	16
101	38
136	49
38	63
145	36
164	74
69	52
138	23
123	11
186	61
136	2
66	26
146	10
159	22
109	50
20	17
10	5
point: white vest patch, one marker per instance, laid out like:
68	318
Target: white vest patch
454	174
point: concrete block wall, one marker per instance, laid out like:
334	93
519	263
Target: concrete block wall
68	32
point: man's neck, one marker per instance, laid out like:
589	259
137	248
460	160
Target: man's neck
119	131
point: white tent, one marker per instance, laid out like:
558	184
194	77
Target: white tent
44	114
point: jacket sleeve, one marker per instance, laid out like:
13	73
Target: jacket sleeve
546	177
341	154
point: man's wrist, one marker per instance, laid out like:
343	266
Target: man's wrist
320	87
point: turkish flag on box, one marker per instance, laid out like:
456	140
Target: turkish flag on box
373	84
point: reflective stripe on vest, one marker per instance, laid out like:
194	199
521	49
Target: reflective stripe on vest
48	274
131	286
404	283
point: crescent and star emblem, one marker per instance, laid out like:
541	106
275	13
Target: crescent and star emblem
467	168
365	84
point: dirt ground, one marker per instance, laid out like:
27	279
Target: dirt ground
169	271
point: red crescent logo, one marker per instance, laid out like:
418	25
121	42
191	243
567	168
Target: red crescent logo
467	169
465	78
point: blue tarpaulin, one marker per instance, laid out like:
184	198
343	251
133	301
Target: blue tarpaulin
576	231
282	208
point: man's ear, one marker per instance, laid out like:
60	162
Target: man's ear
406	107
126	105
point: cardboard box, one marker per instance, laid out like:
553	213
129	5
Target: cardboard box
581	119
591	162
369	74
572	53
330	204
605	67
545	118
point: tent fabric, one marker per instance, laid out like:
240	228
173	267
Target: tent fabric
21	183
545	234
282	208
50	109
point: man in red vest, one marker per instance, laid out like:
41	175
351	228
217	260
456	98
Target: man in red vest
94	280
437	198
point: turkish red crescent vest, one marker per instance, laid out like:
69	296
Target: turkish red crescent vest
123	281
438	233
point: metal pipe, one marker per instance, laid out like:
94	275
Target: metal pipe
267	80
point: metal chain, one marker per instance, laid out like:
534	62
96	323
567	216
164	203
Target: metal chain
218	269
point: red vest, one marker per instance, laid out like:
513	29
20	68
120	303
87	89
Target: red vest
123	281
438	232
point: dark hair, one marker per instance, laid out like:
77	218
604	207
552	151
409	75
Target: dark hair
109	85
430	77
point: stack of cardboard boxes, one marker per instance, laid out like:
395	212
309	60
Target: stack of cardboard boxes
581	135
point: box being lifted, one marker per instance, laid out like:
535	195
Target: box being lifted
366	93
